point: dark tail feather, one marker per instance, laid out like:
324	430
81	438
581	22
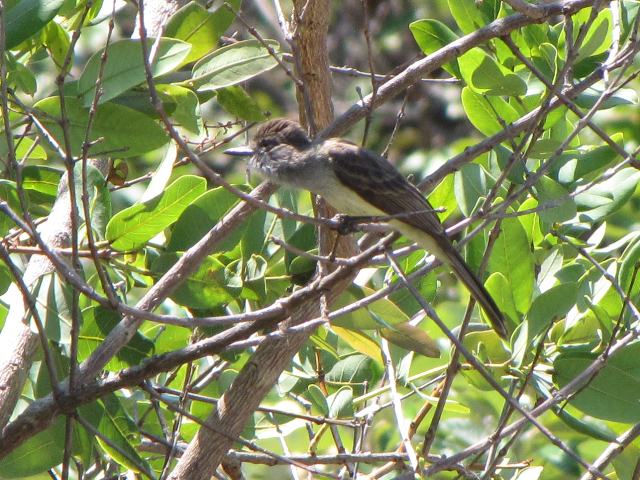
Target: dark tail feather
477	290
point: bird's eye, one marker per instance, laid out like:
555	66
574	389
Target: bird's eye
267	143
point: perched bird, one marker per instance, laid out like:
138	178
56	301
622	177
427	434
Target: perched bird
356	181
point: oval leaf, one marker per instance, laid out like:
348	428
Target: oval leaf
124	67
488	114
233	64
134	226
194	24
613	394
608	196
551	193
207	288
470	184
341	403
551	305
512	256
28	17
432	35
484	75
411	338
199	217
237	101
115	128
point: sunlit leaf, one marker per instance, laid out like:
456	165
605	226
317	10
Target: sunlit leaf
134	226
613	394
27	17
116	130
233	64
124	67
199	27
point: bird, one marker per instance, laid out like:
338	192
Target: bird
359	182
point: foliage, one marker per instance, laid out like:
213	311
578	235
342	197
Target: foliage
540	175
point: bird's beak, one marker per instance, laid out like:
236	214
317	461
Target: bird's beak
243	151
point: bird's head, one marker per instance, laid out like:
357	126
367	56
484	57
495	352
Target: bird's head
272	134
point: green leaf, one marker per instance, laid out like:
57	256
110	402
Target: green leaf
124	67
613	394
9	194
360	342
411	338
237	101
199	27
254	239
484	75
121	431
341	403
432	35
625	463
380	314
353	369
53	301
20	77
443	196
6	279
551	192
200	216
498	286
97	323
385	313
575	165
607	197
628	276
426	285
470	15
584	426
623	96
318	399
551	305
502	157
304	238
120	130
207	288
56	39
134	226
470	185
535	35
187	111
489	349
99	198
529	473
233	64
488	114
37	454
27	17
40	183
238	271
487	345
162	174
531	221
598	38
511	256
546	61
80	13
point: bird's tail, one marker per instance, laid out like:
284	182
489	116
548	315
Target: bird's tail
441	247
476	288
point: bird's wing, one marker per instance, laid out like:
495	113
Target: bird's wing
376	181
381	185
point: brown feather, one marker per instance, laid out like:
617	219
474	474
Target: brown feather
375	180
